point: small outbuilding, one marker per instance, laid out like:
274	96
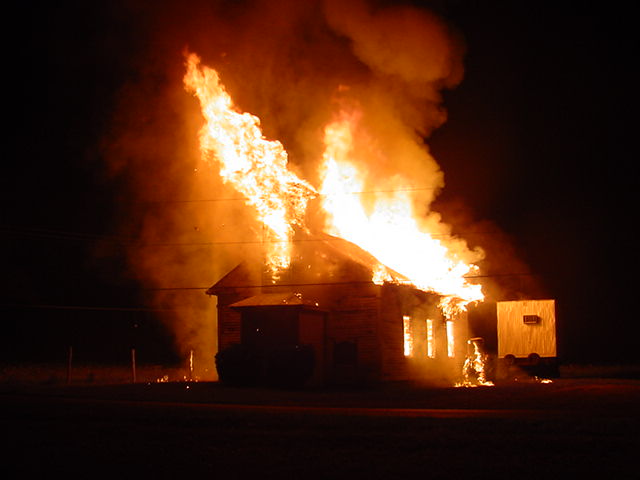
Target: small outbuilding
527	332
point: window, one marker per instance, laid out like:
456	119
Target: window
408	339
450	339
531	319
431	341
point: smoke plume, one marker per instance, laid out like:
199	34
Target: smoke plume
295	65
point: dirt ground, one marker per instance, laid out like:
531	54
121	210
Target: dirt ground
516	429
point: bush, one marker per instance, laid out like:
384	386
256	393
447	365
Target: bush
290	367
238	366
286	367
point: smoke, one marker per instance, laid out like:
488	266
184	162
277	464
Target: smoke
412	45
410	55
295	65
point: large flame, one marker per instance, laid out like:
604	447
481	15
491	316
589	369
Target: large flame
386	227
255	166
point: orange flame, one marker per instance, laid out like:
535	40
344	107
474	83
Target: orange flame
474	368
255	166
388	229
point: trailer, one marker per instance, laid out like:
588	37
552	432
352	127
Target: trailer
527	335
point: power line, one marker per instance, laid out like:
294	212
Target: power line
352	282
86	307
135	242
204	289
61	234
244	199
492	275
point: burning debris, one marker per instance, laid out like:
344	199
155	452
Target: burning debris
474	370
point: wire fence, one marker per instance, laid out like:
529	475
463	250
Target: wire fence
92	374
94	345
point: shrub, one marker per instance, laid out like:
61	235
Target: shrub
290	367
238	366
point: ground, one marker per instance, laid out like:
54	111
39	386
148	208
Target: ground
523	429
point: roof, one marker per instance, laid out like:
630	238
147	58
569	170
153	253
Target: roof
346	249
274	299
237	276
318	250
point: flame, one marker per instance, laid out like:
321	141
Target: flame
388	228
255	166
474	369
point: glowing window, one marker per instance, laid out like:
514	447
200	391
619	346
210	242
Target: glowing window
431	341
408	340
450	339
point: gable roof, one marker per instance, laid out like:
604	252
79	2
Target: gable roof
320	252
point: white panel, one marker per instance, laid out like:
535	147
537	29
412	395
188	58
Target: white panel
515	337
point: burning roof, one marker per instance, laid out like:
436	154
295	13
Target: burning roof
321	259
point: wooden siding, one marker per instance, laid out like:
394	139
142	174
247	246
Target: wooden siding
354	319
228	321
363	323
391	340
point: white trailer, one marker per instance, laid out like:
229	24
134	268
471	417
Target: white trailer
527	332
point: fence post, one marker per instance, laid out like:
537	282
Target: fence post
133	365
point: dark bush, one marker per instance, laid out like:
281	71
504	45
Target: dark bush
290	367
238	366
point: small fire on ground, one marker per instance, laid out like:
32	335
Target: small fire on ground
474	370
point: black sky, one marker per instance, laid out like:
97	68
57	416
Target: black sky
538	142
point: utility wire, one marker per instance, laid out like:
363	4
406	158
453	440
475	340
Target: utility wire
61	234
86	307
135	242
243	199
275	285
156	309
352	282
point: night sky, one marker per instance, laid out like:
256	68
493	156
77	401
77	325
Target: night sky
536	146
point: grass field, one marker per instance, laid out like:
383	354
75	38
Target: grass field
525	429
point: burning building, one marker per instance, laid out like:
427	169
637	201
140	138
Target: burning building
348	234
376	294
360	330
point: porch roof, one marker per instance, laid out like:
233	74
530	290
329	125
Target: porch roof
275	299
